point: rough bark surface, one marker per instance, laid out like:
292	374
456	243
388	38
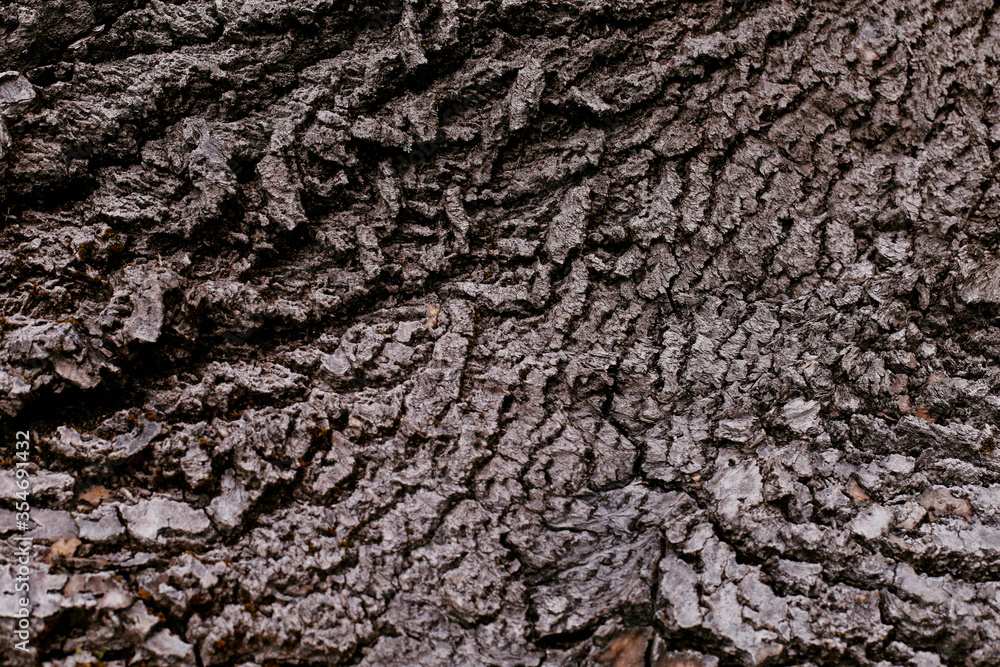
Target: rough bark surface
503	332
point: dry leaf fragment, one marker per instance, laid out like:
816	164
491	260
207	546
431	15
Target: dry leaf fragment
855	491
626	650
432	315
941	502
64	548
922	412
95	495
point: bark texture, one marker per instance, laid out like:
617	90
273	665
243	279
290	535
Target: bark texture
503	332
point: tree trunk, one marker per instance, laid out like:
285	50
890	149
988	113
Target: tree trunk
501	332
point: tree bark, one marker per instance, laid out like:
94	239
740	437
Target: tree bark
501	332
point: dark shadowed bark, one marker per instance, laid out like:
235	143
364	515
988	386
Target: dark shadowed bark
502	332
